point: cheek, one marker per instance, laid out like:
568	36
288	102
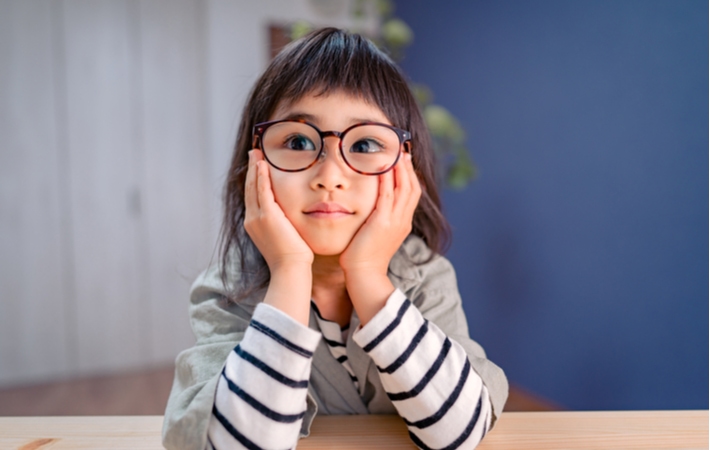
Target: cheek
285	188
367	194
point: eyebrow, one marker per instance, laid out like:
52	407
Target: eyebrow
300	116
296	115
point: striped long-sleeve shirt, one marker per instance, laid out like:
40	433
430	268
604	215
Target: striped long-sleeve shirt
335	336
261	395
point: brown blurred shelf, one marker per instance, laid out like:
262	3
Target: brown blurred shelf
144	393
138	393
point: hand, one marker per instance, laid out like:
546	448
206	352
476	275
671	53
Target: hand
265	222
289	258
367	257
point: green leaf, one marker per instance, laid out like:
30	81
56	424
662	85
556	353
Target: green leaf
300	29
461	173
385	8
422	94
358	9
396	33
443	124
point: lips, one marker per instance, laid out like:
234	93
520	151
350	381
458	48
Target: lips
327	209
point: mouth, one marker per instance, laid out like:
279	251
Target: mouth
327	210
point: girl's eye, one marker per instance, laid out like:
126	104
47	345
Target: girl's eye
299	142
366	146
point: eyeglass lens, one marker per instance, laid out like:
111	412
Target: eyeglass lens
366	148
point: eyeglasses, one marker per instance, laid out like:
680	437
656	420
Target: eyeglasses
368	148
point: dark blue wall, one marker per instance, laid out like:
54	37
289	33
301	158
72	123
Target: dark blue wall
582	248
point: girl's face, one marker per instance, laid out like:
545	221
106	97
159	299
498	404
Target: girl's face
328	202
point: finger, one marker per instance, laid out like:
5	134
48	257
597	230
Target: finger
416	187
257	155
265	193
251	202
385	198
403	185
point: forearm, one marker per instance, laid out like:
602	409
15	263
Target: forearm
261	394
368	293
290	291
427	376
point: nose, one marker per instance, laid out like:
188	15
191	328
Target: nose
330	172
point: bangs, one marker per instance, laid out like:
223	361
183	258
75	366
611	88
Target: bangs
338	61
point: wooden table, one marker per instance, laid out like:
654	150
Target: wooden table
523	430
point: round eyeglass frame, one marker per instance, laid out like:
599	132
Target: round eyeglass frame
405	138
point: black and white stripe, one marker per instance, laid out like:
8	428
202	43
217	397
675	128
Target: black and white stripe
427	376
280	339
390	327
335	337
303	384
261	395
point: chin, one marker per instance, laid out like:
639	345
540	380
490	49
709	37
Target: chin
327	250
323	246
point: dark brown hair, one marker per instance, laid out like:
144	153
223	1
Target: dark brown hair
324	61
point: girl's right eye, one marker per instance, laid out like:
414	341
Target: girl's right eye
299	142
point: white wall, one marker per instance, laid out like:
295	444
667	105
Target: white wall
117	119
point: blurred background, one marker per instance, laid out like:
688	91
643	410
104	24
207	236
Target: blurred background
581	245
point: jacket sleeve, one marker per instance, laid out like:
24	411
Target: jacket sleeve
437	297
427	376
261	393
205	404
218	328
440	380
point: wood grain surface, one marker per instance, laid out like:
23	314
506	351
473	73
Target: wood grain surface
515	430
146	392
600	430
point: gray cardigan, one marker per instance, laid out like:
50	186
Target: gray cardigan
219	326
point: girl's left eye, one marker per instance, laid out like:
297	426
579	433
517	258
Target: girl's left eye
366	146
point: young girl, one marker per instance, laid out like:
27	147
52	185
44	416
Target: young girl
331	296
